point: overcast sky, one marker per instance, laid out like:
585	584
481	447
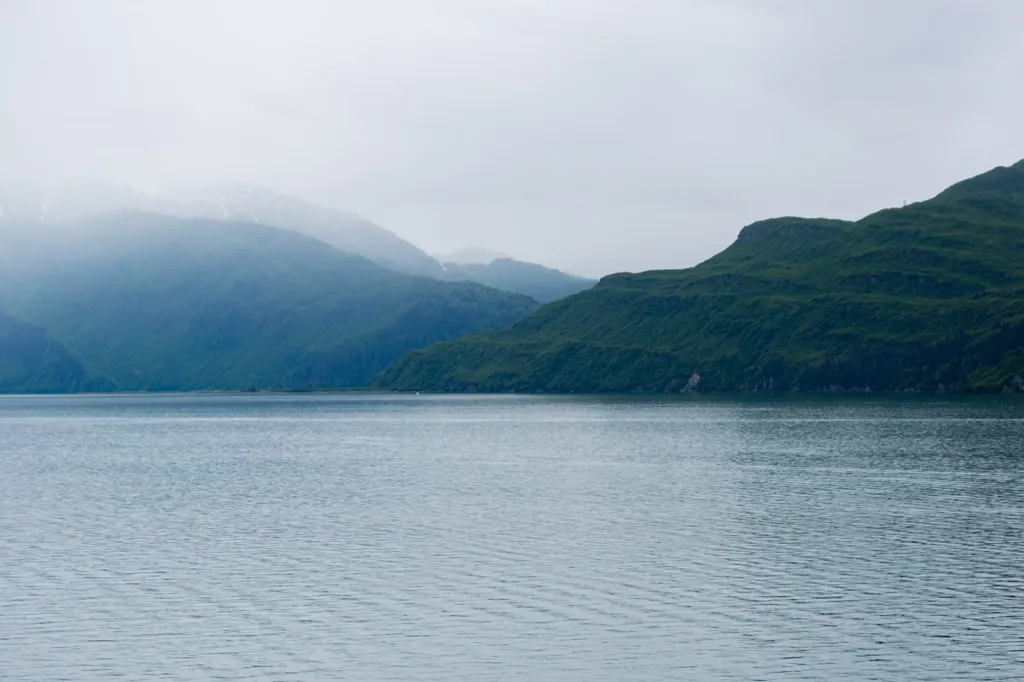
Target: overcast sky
592	135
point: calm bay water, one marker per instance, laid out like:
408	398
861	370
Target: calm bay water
512	538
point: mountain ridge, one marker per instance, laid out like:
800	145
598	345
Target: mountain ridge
925	297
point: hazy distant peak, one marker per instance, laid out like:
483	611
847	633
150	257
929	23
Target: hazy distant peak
64	204
472	255
241	201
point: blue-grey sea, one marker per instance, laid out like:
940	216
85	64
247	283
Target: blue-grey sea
379	537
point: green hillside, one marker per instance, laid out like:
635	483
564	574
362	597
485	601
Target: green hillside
929	296
157	303
536	281
31	362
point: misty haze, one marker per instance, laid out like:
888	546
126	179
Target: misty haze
511	340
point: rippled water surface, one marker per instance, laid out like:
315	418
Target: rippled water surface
450	538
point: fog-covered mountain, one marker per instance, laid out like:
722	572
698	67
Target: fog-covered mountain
471	256
140	301
235	202
256	205
342	230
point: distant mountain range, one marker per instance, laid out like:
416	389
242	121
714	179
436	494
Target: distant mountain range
251	204
536	281
471	256
140	301
925	297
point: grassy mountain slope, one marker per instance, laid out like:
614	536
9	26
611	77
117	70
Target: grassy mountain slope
32	362
154	302
923	297
536	281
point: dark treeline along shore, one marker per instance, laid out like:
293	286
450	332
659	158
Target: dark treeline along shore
279	294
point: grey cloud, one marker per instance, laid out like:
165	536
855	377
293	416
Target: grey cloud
596	136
